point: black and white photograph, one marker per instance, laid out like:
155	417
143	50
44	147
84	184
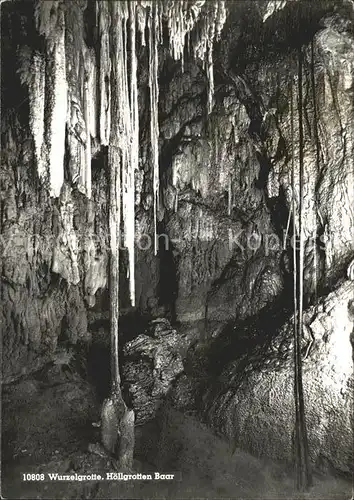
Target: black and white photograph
177	249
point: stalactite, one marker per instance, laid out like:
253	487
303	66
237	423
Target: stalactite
36	99
131	154
91	79
174	169
293	204
154	99
126	133
57	116
77	139
124	17
303	471
176	200
117	421
182	17
209	31
46	17
209	56
114	163
126	126
134	160
50	21
288	222
87	163
105	72
141	22
210	77
318	165
176	28
76	116
89	118
207	20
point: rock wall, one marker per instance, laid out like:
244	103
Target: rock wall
327	105
316	78
256	391
215	216
53	262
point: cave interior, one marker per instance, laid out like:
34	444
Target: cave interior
177	244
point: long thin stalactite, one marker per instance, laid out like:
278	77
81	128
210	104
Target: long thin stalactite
134	149
301	440
153	26
318	161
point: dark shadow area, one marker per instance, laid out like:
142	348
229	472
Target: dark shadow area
241	340
99	370
131	325
168	284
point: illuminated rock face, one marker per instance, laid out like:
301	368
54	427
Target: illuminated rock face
255	392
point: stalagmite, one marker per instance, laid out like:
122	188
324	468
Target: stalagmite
87	163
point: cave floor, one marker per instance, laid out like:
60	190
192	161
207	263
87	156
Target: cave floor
47	427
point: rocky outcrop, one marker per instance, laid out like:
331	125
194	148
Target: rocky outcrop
152	363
